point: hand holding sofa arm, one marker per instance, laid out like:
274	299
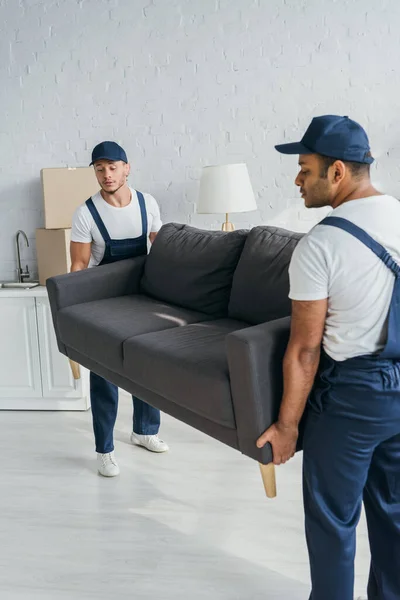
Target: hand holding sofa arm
107	281
255	358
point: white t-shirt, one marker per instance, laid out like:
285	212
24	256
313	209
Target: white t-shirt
121	223
330	263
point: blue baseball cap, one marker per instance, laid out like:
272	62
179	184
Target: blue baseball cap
108	151
333	136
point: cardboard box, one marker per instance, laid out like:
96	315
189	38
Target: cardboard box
52	247
64	189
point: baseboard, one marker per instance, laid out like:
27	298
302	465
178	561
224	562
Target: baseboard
64	404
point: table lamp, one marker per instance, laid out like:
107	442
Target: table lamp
226	189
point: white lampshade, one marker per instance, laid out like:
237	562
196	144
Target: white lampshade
226	189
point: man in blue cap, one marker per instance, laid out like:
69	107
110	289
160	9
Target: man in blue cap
345	288
116	223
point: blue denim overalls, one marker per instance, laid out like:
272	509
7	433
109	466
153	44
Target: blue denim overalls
103	394
121	249
352	453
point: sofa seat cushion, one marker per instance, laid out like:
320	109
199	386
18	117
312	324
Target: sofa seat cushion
187	366
260	288
98	329
193	268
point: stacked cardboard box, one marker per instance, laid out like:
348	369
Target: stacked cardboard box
64	189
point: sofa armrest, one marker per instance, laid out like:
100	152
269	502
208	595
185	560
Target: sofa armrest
107	281
255	356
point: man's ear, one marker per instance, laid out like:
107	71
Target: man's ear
338	171
128	169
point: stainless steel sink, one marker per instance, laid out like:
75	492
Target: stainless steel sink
25	285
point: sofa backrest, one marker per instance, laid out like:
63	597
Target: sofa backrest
260	285
193	268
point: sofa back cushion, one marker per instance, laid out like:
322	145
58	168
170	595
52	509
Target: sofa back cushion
193	268
260	285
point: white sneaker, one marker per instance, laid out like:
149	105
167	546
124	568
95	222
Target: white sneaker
362	598
150	442
107	465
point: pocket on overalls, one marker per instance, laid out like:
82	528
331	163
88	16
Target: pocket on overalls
318	397
119	249
391	378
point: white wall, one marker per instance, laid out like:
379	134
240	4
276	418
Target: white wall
181	84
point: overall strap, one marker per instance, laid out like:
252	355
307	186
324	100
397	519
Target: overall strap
366	239
98	220
143	212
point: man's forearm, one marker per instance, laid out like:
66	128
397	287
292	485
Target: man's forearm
299	370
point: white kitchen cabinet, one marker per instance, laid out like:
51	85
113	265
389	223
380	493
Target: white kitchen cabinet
34	375
19	349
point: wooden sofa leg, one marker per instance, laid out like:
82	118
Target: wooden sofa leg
268	477
76	372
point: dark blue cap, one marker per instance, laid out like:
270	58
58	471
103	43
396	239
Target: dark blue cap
333	136
108	151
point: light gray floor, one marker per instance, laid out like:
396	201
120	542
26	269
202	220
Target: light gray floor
190	524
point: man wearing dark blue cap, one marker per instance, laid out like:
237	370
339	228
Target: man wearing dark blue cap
345	288
116	223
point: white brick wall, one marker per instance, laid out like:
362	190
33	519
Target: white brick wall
185	83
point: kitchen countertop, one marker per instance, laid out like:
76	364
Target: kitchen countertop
38	291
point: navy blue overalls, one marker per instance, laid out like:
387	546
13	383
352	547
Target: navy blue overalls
351	454
103	394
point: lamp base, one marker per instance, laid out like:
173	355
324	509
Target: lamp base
227	226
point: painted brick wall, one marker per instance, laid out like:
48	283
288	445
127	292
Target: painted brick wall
185	83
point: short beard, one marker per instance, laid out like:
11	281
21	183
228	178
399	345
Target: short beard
111	192
320	194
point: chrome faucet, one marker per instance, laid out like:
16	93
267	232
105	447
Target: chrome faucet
21	274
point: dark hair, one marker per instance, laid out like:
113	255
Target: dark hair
358	170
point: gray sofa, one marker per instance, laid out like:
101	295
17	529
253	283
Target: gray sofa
198	328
